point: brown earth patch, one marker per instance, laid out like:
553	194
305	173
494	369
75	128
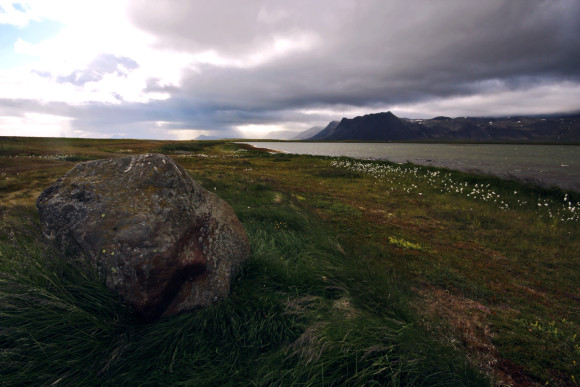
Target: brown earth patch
469	329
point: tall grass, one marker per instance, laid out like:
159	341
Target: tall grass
187	146
301	312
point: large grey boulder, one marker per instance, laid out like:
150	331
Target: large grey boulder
159	239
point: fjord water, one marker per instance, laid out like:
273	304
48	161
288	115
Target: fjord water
547	165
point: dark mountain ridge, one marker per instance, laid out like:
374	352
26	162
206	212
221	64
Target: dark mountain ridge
388	127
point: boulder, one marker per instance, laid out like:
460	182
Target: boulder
157	238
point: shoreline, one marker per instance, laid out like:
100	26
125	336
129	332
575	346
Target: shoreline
520	174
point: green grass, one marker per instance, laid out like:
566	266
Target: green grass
187	146
361	273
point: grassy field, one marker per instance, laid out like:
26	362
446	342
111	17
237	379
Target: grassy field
361	273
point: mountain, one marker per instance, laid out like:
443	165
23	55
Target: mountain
378	127
388	127
328	131
309	133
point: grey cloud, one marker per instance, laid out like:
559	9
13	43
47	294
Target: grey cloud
232	27
19	107
367	54
98	68
129	120
198	24
373	51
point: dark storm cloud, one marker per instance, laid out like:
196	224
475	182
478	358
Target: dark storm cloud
98	68
368	53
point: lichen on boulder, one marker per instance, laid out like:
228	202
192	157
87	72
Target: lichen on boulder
157	238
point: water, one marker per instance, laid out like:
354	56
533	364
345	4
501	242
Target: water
546	165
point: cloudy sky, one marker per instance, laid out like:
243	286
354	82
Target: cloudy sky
178	69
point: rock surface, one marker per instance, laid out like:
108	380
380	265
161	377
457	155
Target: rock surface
159	239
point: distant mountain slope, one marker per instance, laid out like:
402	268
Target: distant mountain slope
327	130
388	127
280	135
379	126
309	133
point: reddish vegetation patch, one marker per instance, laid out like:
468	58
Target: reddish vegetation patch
469	329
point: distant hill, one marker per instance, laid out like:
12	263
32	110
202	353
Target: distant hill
308	133
203	137
388	127
377	127
327	131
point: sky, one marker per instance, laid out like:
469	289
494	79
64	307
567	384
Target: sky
180	69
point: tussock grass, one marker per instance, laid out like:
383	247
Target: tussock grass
296	315
360	274
59	323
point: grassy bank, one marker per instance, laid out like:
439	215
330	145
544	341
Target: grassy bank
360	273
